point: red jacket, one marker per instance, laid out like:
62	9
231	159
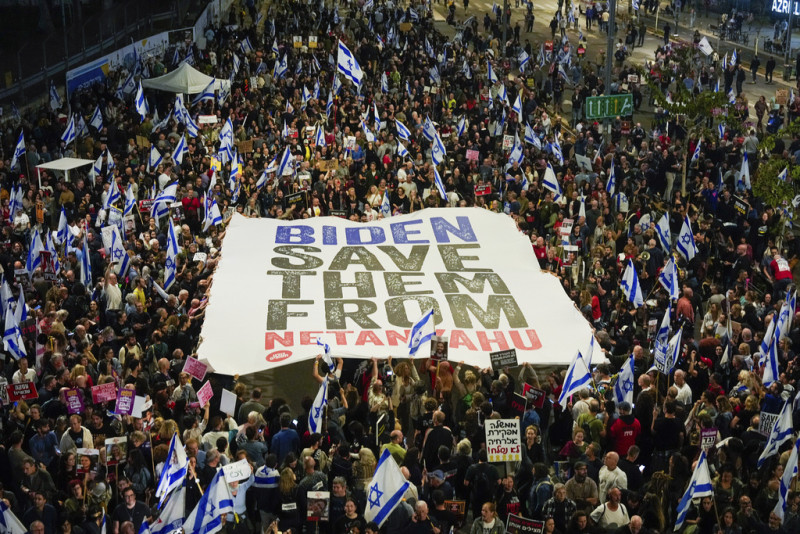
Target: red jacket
624	433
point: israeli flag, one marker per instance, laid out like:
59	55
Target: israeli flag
376	117
734	58
429	130
725	61
155	158
731	96
326	356
266	477
439	184
782	431
623	387
466	71
306	97
34	259
556	148
386	207
281	67
578	378
409	92
180	150
433	74
516	155
206	94
782	176
668	277
530	136
19	150
329	104
285	164
171	517
630	285
744	172
55	99
699	486
523	58
673	351
348	65
69	134
118	252
611	184
661	342
13	343
63	234
415	17
438	151
317	411
685	243
767	339
696	154
206	518
551	182
336	86
401	150
245	46
171	267
402	132
163	201
275	48
490	73
635	4
213	216
385	490
86	264
770	363
721	127
384	83
517	108
462	126
319	138
663	233
10	523
422	332
141	103
789	473
791	304
50	247
174	472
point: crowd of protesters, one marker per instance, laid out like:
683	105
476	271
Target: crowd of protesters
589	465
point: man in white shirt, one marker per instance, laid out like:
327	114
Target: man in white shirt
684	391
612	476
23	374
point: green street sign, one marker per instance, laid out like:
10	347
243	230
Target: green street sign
604	107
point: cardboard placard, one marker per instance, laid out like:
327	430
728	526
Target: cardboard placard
200	257
508	142
142	141
40	212
583	162
297	41
708	437
104	392
140	406
503	358
195	368
206	119
204	394
74	400
633	78
404	27
483	190
517	404
328	165
245	147
503	440
227	403
312	41
765	426
237	471
473	155
782	96
534	395
318	506
125	398
22	391
522	525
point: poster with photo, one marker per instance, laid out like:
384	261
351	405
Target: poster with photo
86	460
439	345
318	506
116	450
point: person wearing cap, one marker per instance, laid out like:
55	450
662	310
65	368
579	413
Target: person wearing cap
625	430
435	481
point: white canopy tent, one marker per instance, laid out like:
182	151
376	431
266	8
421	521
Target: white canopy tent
185	80
64	165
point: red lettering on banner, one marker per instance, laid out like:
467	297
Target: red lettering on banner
367	336
273	337
395	338
516	339
486	342
341	336
458	339
310	337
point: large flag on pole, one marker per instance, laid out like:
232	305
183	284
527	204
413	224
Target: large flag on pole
789	473
699	486
174	471
385	490
206	518
578	377
422	332
348	65
781	432
630	285
317	411
623	387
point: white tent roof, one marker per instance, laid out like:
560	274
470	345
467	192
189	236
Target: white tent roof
185	79
65	164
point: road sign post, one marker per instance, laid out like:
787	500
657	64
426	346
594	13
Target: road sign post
609	106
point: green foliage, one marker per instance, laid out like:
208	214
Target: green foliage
771	189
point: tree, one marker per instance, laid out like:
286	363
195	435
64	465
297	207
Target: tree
768	184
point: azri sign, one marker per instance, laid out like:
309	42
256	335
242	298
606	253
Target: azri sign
782	6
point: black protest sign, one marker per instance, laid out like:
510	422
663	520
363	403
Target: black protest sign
503	358
517	404
521	525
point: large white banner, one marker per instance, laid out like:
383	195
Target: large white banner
360	287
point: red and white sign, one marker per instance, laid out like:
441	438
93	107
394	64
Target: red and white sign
204	394
195	368
104	392
22	391
534	395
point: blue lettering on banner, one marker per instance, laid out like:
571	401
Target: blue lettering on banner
401	233
88	75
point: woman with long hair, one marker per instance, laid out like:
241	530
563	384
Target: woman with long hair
288	514
406	377
488	522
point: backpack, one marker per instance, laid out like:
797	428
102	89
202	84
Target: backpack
587	431
482	487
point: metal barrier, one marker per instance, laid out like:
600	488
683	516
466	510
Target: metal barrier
40	60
